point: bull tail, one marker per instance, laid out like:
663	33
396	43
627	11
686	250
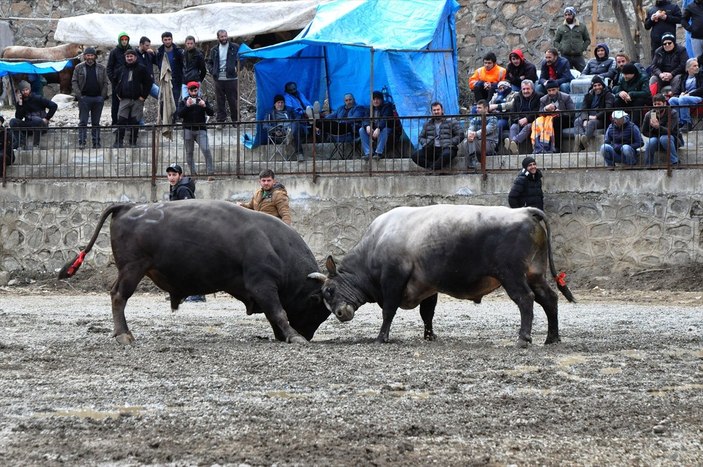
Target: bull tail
70	268
559	277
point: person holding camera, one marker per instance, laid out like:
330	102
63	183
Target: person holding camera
193	111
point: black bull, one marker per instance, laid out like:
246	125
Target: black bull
199	247
408	255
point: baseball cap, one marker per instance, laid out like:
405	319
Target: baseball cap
193	84
174	168
618	114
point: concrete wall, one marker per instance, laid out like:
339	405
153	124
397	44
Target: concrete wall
602	221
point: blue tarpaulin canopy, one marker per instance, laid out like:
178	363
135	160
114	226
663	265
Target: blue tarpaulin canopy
33	68
357	46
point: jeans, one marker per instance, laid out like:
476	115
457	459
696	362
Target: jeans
226	94
90	106
655	142
627	155
21	136
366	141
520	133
189	138
685	112
434	157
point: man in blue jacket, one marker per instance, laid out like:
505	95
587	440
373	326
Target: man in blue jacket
622	139
377	129
554	68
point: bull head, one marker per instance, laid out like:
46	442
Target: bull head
332	285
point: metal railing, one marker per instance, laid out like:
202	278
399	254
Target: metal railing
237	152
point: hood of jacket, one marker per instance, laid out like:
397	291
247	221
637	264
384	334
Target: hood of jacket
519	53
604	46
120	34
187	181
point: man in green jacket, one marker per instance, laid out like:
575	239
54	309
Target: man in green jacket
572	39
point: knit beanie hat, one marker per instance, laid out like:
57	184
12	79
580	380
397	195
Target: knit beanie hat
629	69
24	85
527	161
277	98
597	79
669	37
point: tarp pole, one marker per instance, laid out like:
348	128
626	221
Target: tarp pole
371	88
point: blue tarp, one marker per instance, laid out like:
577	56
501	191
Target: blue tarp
33	68
412	44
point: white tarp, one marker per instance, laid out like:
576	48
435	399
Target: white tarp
201	22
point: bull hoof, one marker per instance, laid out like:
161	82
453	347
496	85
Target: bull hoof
552	340
381	340
125	339
297	340
522	343
430	336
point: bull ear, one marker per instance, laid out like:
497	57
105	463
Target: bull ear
318	276
331	267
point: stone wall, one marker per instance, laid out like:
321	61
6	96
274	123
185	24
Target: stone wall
603	222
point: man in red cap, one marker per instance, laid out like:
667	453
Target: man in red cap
193	111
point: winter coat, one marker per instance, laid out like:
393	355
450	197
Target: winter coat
491	131
673	62
605	67
563	102
527	190
668	122
134	83
176	67
526	70
184	189
524	107
147	60
572	39
116	61
617	136
450	133
659	28
692	20
35	106
597	105
637	88
274	202
194	116
193	66
562	68
213	62
78	79
382	116
681	87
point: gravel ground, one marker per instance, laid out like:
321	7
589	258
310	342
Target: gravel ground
208	385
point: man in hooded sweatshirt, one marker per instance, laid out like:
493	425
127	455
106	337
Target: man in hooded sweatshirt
572	39
527	187
602	64
519	69
115	65
132	89
632	92
271	198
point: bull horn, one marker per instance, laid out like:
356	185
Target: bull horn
317	275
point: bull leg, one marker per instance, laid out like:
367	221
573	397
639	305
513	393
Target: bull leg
427	307
548	299
127	280
519	292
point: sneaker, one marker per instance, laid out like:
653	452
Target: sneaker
365	158
309	113
117	144
685	127
513	147
316	109
81	146
97	145
300	157
506	144
376	157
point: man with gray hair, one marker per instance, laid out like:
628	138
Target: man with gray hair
338	122
222	65
525	106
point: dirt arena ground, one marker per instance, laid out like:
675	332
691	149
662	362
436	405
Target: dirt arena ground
208	385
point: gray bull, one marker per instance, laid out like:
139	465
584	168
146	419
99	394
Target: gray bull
199	247
408	255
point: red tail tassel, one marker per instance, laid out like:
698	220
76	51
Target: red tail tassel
76	264
561	279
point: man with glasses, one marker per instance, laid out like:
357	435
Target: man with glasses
572	39
668	64
662	18
484	81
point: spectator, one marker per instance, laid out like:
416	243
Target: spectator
519	69
661	127
524	107
271	198
594	111
632	92
622	59
662	18
132	90
181	187
194	69
527	187
222	65
668	64
283	122
688	93
563	105
484	80
146	58
32	115
503	97
622	139
439	139
378	128
115	65
340	121
555	68
476	133
692	21
193	111
174	55
602	65
295	99
89	86
572	39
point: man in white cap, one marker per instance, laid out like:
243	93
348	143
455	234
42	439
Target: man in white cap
622	139
572	39
89	87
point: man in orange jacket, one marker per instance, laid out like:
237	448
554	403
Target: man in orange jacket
484	81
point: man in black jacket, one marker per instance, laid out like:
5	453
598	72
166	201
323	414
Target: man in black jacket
525	106
194	110
222	65
527	187
662	18
31	111
132	90
194	68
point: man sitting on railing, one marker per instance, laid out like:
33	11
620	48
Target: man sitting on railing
31	112
622	139
438	140
282	122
